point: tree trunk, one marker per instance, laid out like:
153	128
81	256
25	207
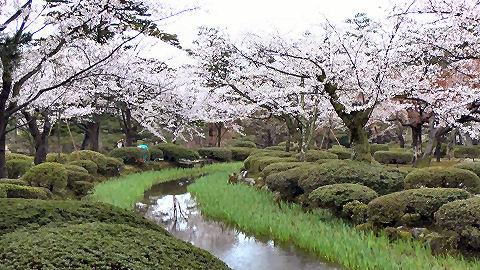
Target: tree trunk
128	127
416	144
85	142
40	138
399	132
287	144
93	132
438	150
219	127
361	147
3	162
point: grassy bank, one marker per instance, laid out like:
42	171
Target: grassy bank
125	191
256	212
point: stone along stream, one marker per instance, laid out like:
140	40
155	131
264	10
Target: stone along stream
170	205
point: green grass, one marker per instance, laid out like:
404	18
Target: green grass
256	212
125	191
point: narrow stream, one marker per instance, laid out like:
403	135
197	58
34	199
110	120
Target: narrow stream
171	206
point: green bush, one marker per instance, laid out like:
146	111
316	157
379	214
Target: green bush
114	165
314	155
18	167
466	152
101	246
286	182
443	177
98	158
382	179
393	157
75	176
173	152
241	153
341	152
462	217
75	168
130	155
157	166
50	175
155	154
378	147
356	211
337	195
10	156
280	167
275	148
19	182
31	214
81	188
220	154
390	209
89	165
258	164
247	144
26	192
471	166
266	153
53	157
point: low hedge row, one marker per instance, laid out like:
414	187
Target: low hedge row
341	152
130	155
472	152
247	144
443	177
393	157
26	192
216	153
315	155
96	157
241	153
378	147
173	152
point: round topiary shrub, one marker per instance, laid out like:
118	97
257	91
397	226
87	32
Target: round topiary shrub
53	157
247	144
241	153
443	177
356	211
173	152
393	157
472	152
129	155
76	168
19	182
265	153
382	179
314	155
114	165
220	154
50	175
470	166
280	167
155	154
341	152
75	176
81	188
286	182
462	217
398	207
98	158
101	246
258	164
18	167
337	195
10	156
378	147
26	192
89	165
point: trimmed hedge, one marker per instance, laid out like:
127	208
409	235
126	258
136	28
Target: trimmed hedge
98	158
258	164
75	176
81	188
462	217
466	152
280	167
50	175
337	195
75	168
382	179
443	177
18	167
53	157
89	165
216	153
101	246
155	154
398	207
471	166
173	152
130	155
356	211
247	144
10	156
286	182
378	147
393	157
26	192
241	153
19	182
266	153
114	165
315	155
341	152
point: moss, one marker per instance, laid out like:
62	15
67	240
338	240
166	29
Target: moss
114	165
216	153
279	167
314	155
247	144
389	209
443	177
382	179
130	155
341	152
53	157
26	192
241	153
393	157
378	147
98	158
337	195
89	165
122	247
356	211
10	156
50	175
462	217
471	166
472	152
19	182
18	167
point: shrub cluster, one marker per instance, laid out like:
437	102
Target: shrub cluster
247	144
155	154
280	167
286	182
26	192
258	164
315	155
356	211
114	165
472	152
337	195
10	156
265	153
50	175
393	157
53	157
400	207
18	167
341	152
241	153
98	158
130	155
19	182
378	147
216	153
173	152
443	177
88	165
471	166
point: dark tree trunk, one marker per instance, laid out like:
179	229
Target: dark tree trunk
287	145
361	147
416	144
399	132
85	142
93	132
129	128
3	162
219	127
438	150
40	138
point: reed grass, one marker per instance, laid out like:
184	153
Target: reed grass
256	212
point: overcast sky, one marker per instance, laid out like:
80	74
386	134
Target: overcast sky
288	17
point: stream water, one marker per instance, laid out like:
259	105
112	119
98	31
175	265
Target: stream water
171	206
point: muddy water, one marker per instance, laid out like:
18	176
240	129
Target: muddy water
171	206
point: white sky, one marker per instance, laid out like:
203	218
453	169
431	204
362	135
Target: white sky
289	17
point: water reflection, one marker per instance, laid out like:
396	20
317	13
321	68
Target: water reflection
172	207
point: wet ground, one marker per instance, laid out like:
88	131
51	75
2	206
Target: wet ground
170	205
